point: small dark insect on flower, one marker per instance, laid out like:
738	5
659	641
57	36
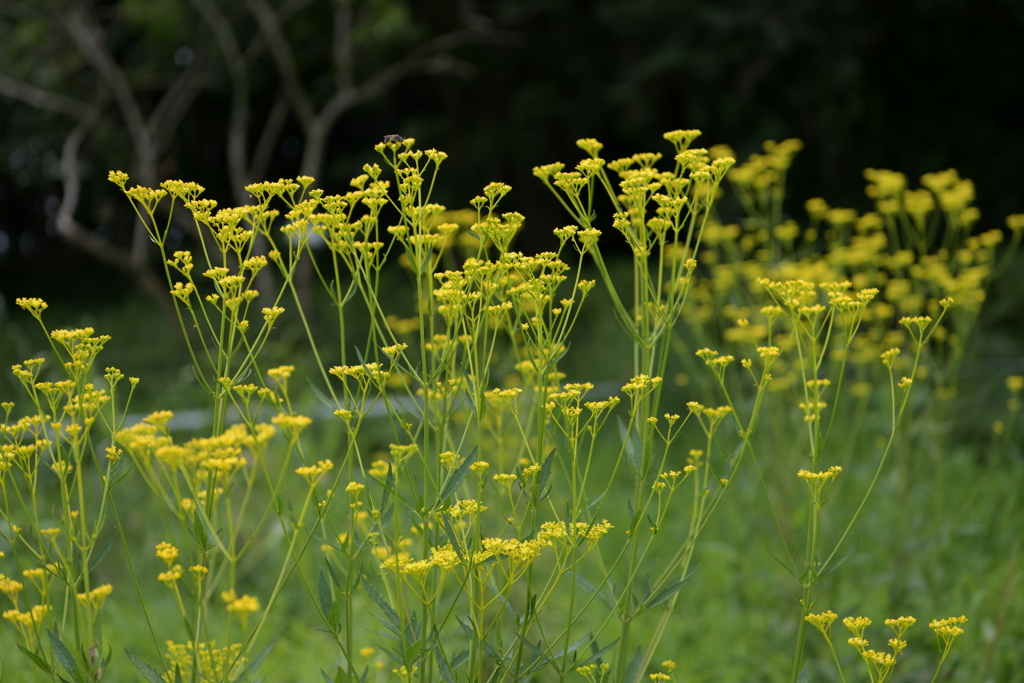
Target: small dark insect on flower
393	138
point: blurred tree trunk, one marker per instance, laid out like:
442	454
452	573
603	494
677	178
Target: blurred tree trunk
125	90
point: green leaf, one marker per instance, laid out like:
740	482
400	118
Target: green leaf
208	531
258	659
411	653
442	666
449	531
634	450
110	655
805	673
321	396
668	591
633	669
597	655
324	593
544	475
572	648
63	655
351	292
534	648
788	570
561	444
334	577
36	659
334	616
148	672
389	486
102	553
457	477
494	654
835	565
593	503
388	610
589	589
117	470
198	533
505	603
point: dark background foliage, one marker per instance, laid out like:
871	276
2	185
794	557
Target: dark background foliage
911	85
914	86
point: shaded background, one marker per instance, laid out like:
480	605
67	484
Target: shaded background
502	87
913	86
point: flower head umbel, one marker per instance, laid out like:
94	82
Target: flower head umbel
314	473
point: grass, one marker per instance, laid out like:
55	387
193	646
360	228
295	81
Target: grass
935	535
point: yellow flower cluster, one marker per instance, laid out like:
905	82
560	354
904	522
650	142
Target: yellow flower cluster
244	605
96	597
378	470
166	552
465	507
558	531
313	473
27	622
10	587
518	553
169	577
149	444
822	622
214	663
818	478
948	629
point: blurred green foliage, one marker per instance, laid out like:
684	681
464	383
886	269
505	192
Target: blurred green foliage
863	83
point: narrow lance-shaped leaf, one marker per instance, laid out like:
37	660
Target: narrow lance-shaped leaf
60	651
388	610
597	655
324	593
148	672
457	477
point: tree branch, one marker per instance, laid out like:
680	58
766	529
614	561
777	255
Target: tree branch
343	49
259	41
171	109
87	240
83	32
238	72
42	99
429	56
284	60
268	137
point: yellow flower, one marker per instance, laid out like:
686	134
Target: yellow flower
313	473
166	552
244	606
857	625
378	470
10	587
96	597
822	622
291	425
169	577
948	629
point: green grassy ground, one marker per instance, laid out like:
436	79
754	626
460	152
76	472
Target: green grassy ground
940	536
